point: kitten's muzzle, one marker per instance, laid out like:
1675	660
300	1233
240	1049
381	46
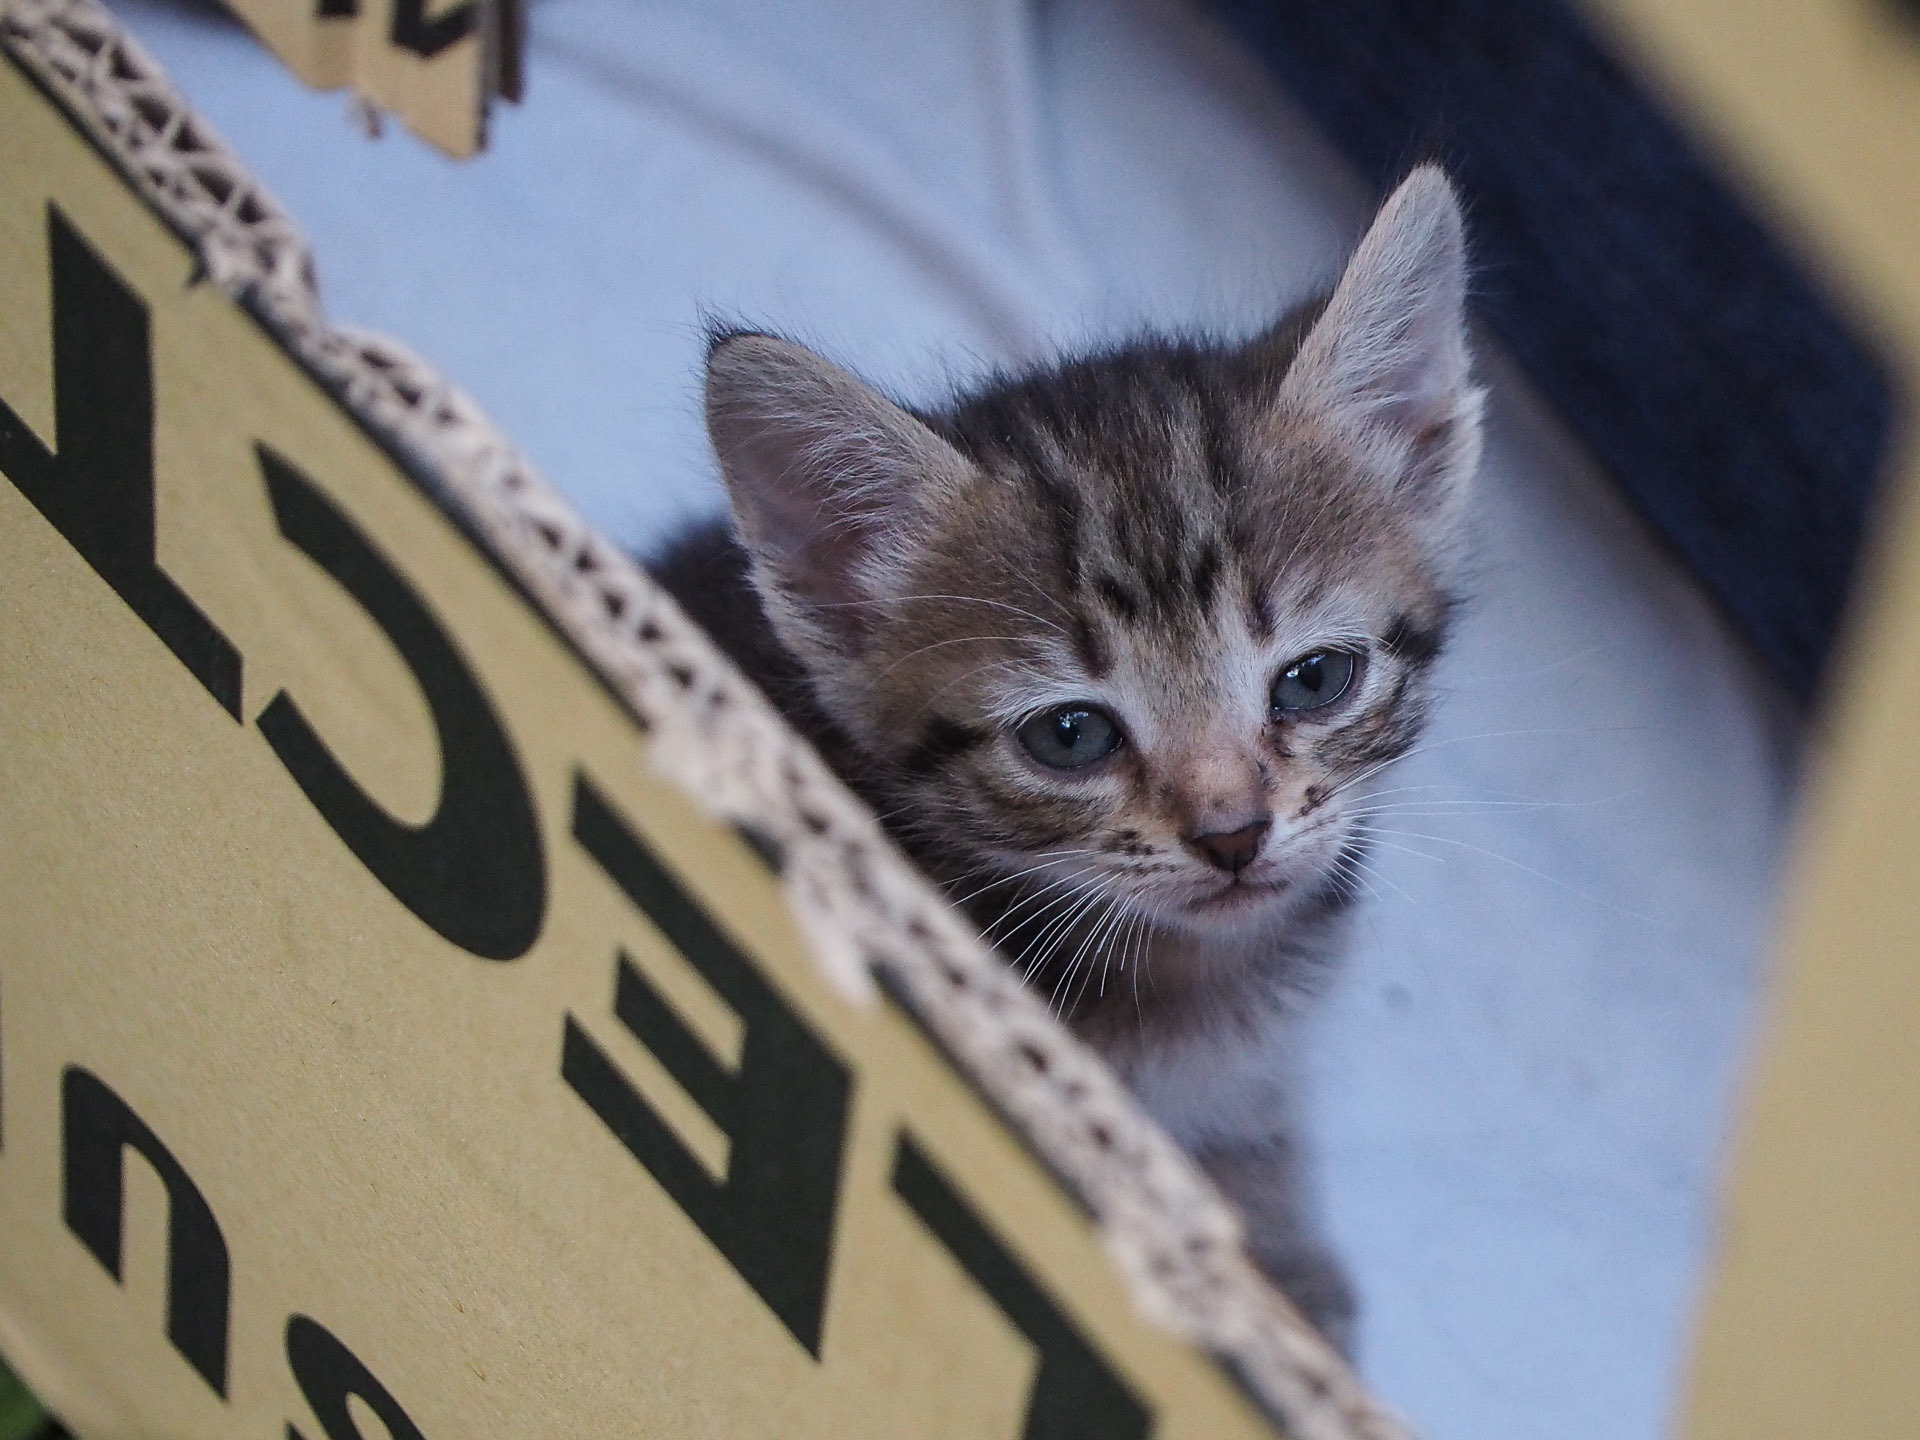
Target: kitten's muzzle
1231	851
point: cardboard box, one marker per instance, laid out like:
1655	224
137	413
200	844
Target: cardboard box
1811	1323
438	66
433	986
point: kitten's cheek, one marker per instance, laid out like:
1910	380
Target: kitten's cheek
1306	850
1306	805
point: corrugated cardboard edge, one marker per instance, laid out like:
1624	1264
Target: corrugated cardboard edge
866	908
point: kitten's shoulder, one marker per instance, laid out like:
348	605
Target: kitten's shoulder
706	570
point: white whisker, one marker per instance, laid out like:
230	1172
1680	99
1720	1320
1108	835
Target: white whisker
1505	860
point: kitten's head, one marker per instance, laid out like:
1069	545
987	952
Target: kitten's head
1134	626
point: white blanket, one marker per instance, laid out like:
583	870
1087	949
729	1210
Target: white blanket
1521	1087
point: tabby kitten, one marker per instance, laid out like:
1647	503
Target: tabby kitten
1110	647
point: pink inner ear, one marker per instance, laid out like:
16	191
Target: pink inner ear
814	538
824	569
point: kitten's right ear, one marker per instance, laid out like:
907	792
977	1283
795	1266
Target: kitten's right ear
827	476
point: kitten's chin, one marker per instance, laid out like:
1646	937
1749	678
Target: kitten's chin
1238	905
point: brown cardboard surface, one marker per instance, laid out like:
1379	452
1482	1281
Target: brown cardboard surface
1812	1320
453	1060
435	65
319	49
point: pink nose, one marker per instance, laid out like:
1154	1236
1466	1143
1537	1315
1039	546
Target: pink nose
1232	850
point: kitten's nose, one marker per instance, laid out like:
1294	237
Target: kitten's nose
1232	850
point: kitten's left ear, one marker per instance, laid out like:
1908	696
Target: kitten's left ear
1387	358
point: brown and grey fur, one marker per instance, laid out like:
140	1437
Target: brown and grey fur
1158	529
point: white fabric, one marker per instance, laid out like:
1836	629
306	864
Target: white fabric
1521	1084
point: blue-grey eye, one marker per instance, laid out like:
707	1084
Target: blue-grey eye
1316	679
1068	737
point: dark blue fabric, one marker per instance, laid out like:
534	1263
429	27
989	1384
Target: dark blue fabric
1685	345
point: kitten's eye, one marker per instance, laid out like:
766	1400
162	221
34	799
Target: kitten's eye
1068	737
1314	680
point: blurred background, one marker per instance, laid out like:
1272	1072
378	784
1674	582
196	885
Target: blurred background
1521	1084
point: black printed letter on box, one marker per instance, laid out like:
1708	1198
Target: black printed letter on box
97	487
99	1128
475	871
1076	1395
784	1111
329	1374
412	30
